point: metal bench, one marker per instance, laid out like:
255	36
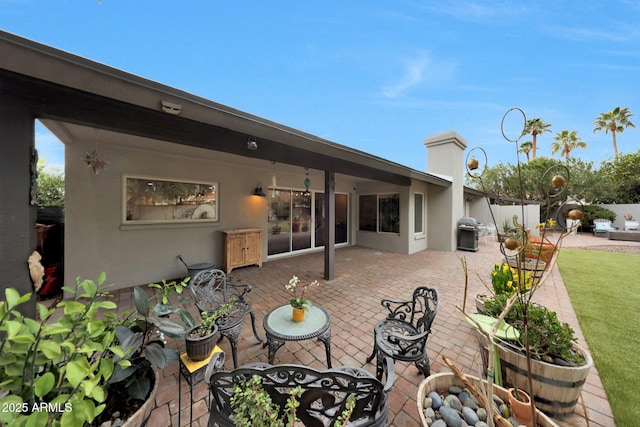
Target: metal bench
324	394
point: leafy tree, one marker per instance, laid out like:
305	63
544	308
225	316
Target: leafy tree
589	184
525	148
615	121
565	142
585	182
50	186
535	127
625	172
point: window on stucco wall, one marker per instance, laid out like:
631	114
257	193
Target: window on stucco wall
152	200
418	216
379	212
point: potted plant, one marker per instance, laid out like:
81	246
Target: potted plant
78	364
276	229
630	223
55	370
504	281
520	404
507	230
299	304
549	349
201	339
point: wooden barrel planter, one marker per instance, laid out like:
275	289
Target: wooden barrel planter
534	266
440	383
556	388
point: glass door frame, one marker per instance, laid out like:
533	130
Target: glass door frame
287	225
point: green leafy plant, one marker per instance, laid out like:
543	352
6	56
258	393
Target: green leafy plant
208	322
55	372
252	406
50	186
549	338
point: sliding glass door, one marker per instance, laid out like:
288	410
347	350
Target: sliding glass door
292	216
342	214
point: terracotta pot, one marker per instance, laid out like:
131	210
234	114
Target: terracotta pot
298	314
520	409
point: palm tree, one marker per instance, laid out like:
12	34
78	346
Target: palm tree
566	142
525	148
615	121
535	127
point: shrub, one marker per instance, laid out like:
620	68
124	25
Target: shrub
549	338
592	212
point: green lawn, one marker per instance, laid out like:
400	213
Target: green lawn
604	288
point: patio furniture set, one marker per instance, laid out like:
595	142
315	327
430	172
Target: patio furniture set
604	227
401	335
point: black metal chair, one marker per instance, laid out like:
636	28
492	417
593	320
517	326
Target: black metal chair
211	289
403	334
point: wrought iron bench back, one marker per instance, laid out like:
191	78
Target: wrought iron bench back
324	397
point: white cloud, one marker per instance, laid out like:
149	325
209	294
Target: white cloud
418	72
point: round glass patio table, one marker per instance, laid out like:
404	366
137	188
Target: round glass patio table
280	327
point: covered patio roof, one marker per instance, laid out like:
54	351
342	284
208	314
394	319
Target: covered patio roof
61	87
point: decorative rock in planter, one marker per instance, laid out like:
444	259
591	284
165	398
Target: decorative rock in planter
429	401
556	388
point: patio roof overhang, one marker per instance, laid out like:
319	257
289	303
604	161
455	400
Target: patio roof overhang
58	86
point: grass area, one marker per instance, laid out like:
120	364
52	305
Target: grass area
605	294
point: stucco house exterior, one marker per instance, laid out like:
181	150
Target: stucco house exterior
182	171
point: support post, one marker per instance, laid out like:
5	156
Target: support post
330	229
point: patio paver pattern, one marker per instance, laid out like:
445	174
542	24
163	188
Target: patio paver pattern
362	278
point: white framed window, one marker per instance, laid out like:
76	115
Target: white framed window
418	214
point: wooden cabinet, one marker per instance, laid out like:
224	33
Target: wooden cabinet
242	247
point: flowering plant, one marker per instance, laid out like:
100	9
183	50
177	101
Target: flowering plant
506	280
299	302
628	217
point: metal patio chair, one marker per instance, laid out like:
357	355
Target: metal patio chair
211	289
403	334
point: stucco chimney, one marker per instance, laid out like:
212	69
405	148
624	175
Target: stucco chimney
445	206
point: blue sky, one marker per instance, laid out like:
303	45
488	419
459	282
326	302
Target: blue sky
378	76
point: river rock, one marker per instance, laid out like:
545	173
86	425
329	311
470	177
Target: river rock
452	401
439	423
436	401
455	390
482	414
469	403
504	411
430	413
451	417
470	415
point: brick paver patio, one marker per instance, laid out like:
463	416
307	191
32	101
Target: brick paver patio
363	277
